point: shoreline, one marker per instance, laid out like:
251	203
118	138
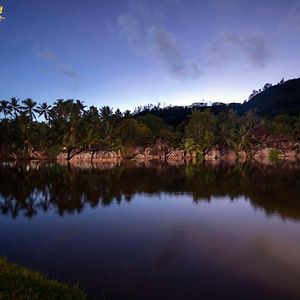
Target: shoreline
79	160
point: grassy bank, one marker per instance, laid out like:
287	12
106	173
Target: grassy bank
20	283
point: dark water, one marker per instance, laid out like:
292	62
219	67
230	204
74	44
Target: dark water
157	231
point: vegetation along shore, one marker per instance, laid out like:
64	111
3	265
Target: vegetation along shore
266	126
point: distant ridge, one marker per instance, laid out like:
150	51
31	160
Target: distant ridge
282	98
277	99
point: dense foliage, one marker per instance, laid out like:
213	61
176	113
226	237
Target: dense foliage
27	126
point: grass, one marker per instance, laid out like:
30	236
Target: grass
19	283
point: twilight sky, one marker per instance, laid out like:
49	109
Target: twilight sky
127	53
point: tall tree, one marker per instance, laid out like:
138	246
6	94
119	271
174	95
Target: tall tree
29	108
43	110
106	115
227	129
5	108
131	132
201	128
15	106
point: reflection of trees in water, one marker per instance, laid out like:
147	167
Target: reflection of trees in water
30	189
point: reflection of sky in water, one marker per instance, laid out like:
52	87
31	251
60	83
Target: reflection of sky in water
162	245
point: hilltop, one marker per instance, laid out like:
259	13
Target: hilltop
282	98
277	99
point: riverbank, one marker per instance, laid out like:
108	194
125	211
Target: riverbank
215	153
172	156
270	148
20	283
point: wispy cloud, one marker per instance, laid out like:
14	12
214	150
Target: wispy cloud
295	15
109	26
49	55
130	30
169	50
229	45
146	38
143	30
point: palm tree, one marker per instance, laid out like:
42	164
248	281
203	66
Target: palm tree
43	110
15	106
78	107
58	109
106	113
69	113
118	115
243	138
227	135
188	145
29	108
5	108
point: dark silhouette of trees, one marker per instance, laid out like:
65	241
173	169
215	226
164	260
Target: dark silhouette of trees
5	108
43	110
29	108
70	126
15	106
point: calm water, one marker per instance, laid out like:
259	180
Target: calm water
157	231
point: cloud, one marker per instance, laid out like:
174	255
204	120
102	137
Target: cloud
48	55
44	53
256	48
129	28
67	70
295	14
142	29
171	54
141	7
231	45
149	39
109	26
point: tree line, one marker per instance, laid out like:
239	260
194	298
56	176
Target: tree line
27	126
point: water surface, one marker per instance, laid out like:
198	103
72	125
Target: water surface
155	231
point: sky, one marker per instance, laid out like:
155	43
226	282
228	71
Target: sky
129	53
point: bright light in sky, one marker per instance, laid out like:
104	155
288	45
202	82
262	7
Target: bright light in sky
130	53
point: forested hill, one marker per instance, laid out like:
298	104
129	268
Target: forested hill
277	99
282	98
